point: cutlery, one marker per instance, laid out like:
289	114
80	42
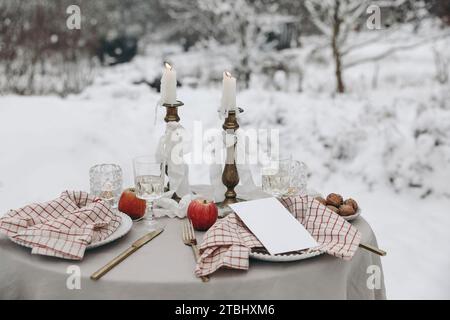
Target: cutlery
134	247
372	249
190	240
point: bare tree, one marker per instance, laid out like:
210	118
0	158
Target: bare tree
338	20
442	64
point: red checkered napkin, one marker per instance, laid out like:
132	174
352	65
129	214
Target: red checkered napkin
62	227
229	241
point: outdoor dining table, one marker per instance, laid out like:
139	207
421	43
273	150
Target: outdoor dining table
164	269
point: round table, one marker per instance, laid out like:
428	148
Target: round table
163	269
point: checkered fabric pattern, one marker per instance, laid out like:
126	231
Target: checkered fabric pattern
62	227
228	243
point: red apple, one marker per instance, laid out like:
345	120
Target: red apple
202	213
131	205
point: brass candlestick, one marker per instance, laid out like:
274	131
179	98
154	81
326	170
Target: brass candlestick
172	116
230	176
172	111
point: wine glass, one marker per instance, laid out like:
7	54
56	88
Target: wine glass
149	181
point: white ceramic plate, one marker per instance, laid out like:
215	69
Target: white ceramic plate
283	257
125	226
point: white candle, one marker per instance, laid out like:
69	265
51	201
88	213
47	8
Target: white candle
228	92
169	85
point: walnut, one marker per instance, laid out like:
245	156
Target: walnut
334	199
346	210
352	203
322	200
333	208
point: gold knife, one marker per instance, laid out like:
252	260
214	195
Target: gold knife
373	249
134	247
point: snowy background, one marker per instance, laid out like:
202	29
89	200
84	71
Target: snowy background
384	141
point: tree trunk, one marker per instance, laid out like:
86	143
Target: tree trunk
340	87
244	63
246	72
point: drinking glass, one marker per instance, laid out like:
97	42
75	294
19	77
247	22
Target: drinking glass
149	181
285	177
106	182
299	178
276	178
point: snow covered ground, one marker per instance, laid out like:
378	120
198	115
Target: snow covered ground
388	147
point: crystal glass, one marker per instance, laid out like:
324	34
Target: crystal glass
149	181
106	182
276	178
298	178
285	177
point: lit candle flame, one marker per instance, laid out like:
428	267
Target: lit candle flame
228	74
168	66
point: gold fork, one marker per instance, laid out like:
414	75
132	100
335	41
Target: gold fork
190	240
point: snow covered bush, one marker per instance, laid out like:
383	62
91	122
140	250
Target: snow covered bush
421	158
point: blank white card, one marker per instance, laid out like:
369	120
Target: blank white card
274	225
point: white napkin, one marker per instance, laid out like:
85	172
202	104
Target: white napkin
178	170
166	206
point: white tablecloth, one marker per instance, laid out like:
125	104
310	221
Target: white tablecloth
163	269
